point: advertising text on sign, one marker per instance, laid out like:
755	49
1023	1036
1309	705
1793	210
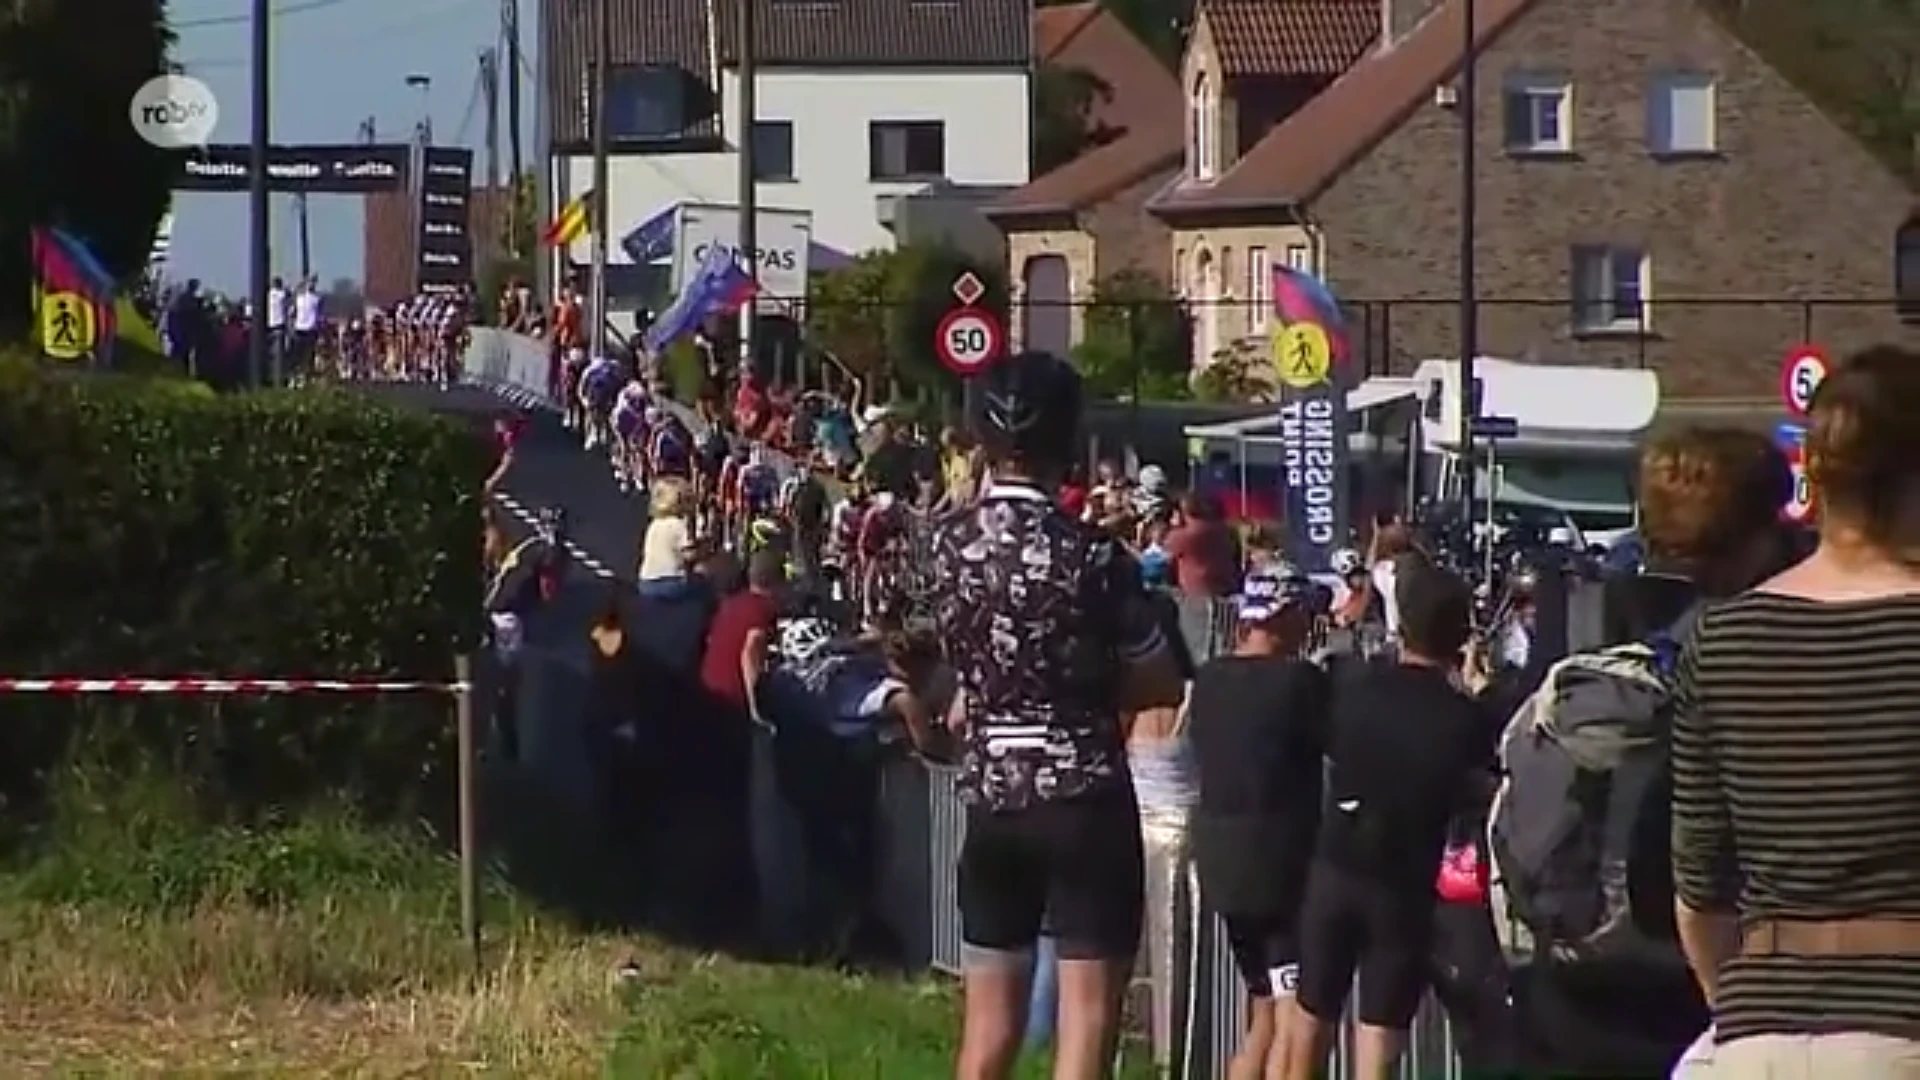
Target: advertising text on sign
1309	433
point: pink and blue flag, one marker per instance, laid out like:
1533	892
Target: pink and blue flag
1299	297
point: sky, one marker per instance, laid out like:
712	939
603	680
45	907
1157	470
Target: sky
334	64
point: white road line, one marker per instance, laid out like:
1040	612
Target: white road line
574	551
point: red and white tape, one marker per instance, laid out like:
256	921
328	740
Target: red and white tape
203	687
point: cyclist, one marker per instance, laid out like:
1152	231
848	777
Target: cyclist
670	449
599	385
631	424
1052	638
759	488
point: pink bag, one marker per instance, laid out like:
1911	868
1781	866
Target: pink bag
1463	876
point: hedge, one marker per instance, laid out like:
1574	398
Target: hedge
145	530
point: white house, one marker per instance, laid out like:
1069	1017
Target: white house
860	102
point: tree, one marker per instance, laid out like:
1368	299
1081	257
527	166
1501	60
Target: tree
68	155
1241	372
345	299
1137	340
1064	127
1860	59
1160	24
878	315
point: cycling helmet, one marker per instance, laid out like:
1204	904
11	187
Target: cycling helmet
1030	407
1153	479
1346	562
802	639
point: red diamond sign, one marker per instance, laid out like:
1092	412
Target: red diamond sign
969	288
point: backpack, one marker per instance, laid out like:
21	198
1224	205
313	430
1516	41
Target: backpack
1583	760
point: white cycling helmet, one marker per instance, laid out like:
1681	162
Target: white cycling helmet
1153	479
1346	561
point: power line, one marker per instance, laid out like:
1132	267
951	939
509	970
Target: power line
297	8
358	34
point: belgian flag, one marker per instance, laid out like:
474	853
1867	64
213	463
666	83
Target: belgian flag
572	222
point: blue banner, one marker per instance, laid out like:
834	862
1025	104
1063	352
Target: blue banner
1309	358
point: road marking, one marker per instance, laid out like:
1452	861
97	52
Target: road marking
574	551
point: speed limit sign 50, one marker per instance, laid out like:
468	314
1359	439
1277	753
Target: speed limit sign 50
1804	370
968	339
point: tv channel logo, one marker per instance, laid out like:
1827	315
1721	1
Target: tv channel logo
174	112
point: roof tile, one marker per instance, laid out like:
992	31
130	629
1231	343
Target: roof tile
1290	37
1307	152
814	33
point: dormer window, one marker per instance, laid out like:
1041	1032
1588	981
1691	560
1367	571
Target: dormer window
1203	123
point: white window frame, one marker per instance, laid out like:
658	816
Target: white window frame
1300	257
1203	111
1259	289
1667	91
1544	95
1624	304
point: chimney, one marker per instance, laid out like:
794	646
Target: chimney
1399	17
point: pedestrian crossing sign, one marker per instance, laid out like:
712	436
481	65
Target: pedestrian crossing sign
67	325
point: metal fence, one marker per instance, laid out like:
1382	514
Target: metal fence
1712	341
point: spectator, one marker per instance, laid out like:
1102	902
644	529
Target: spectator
889	463
1204	550
1259	731
1408	751
667	550
732	665
1795	810
1710	508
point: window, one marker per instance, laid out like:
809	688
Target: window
773	149
907	149
645	102
1259	289
1680	115
1300	257
1203	120
1906	269
1609	290
1539	115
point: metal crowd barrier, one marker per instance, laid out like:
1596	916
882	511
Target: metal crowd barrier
924	824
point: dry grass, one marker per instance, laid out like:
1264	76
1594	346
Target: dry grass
331	990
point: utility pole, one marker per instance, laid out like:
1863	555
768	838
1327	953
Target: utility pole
511	60
369	132
602	58
305	235
259	227
1469	300
490	96
749	170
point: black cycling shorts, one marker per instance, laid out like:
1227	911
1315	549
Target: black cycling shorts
1077	865
1266	951
1379	932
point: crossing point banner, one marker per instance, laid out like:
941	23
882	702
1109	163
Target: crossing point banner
1312	369
73	299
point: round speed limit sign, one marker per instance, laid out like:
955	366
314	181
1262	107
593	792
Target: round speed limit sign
1800	376
968	339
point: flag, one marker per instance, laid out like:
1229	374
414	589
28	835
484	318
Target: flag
1299	297
572	222
719	286
63	265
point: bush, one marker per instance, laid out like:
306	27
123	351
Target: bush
147	531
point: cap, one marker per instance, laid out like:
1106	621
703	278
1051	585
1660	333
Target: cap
1266	593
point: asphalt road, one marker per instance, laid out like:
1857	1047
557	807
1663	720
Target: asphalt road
551	469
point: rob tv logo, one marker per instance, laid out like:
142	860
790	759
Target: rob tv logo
174	112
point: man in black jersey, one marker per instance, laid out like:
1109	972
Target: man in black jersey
1409	750
1257	718
1051	639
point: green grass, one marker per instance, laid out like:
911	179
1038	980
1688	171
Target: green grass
138	940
